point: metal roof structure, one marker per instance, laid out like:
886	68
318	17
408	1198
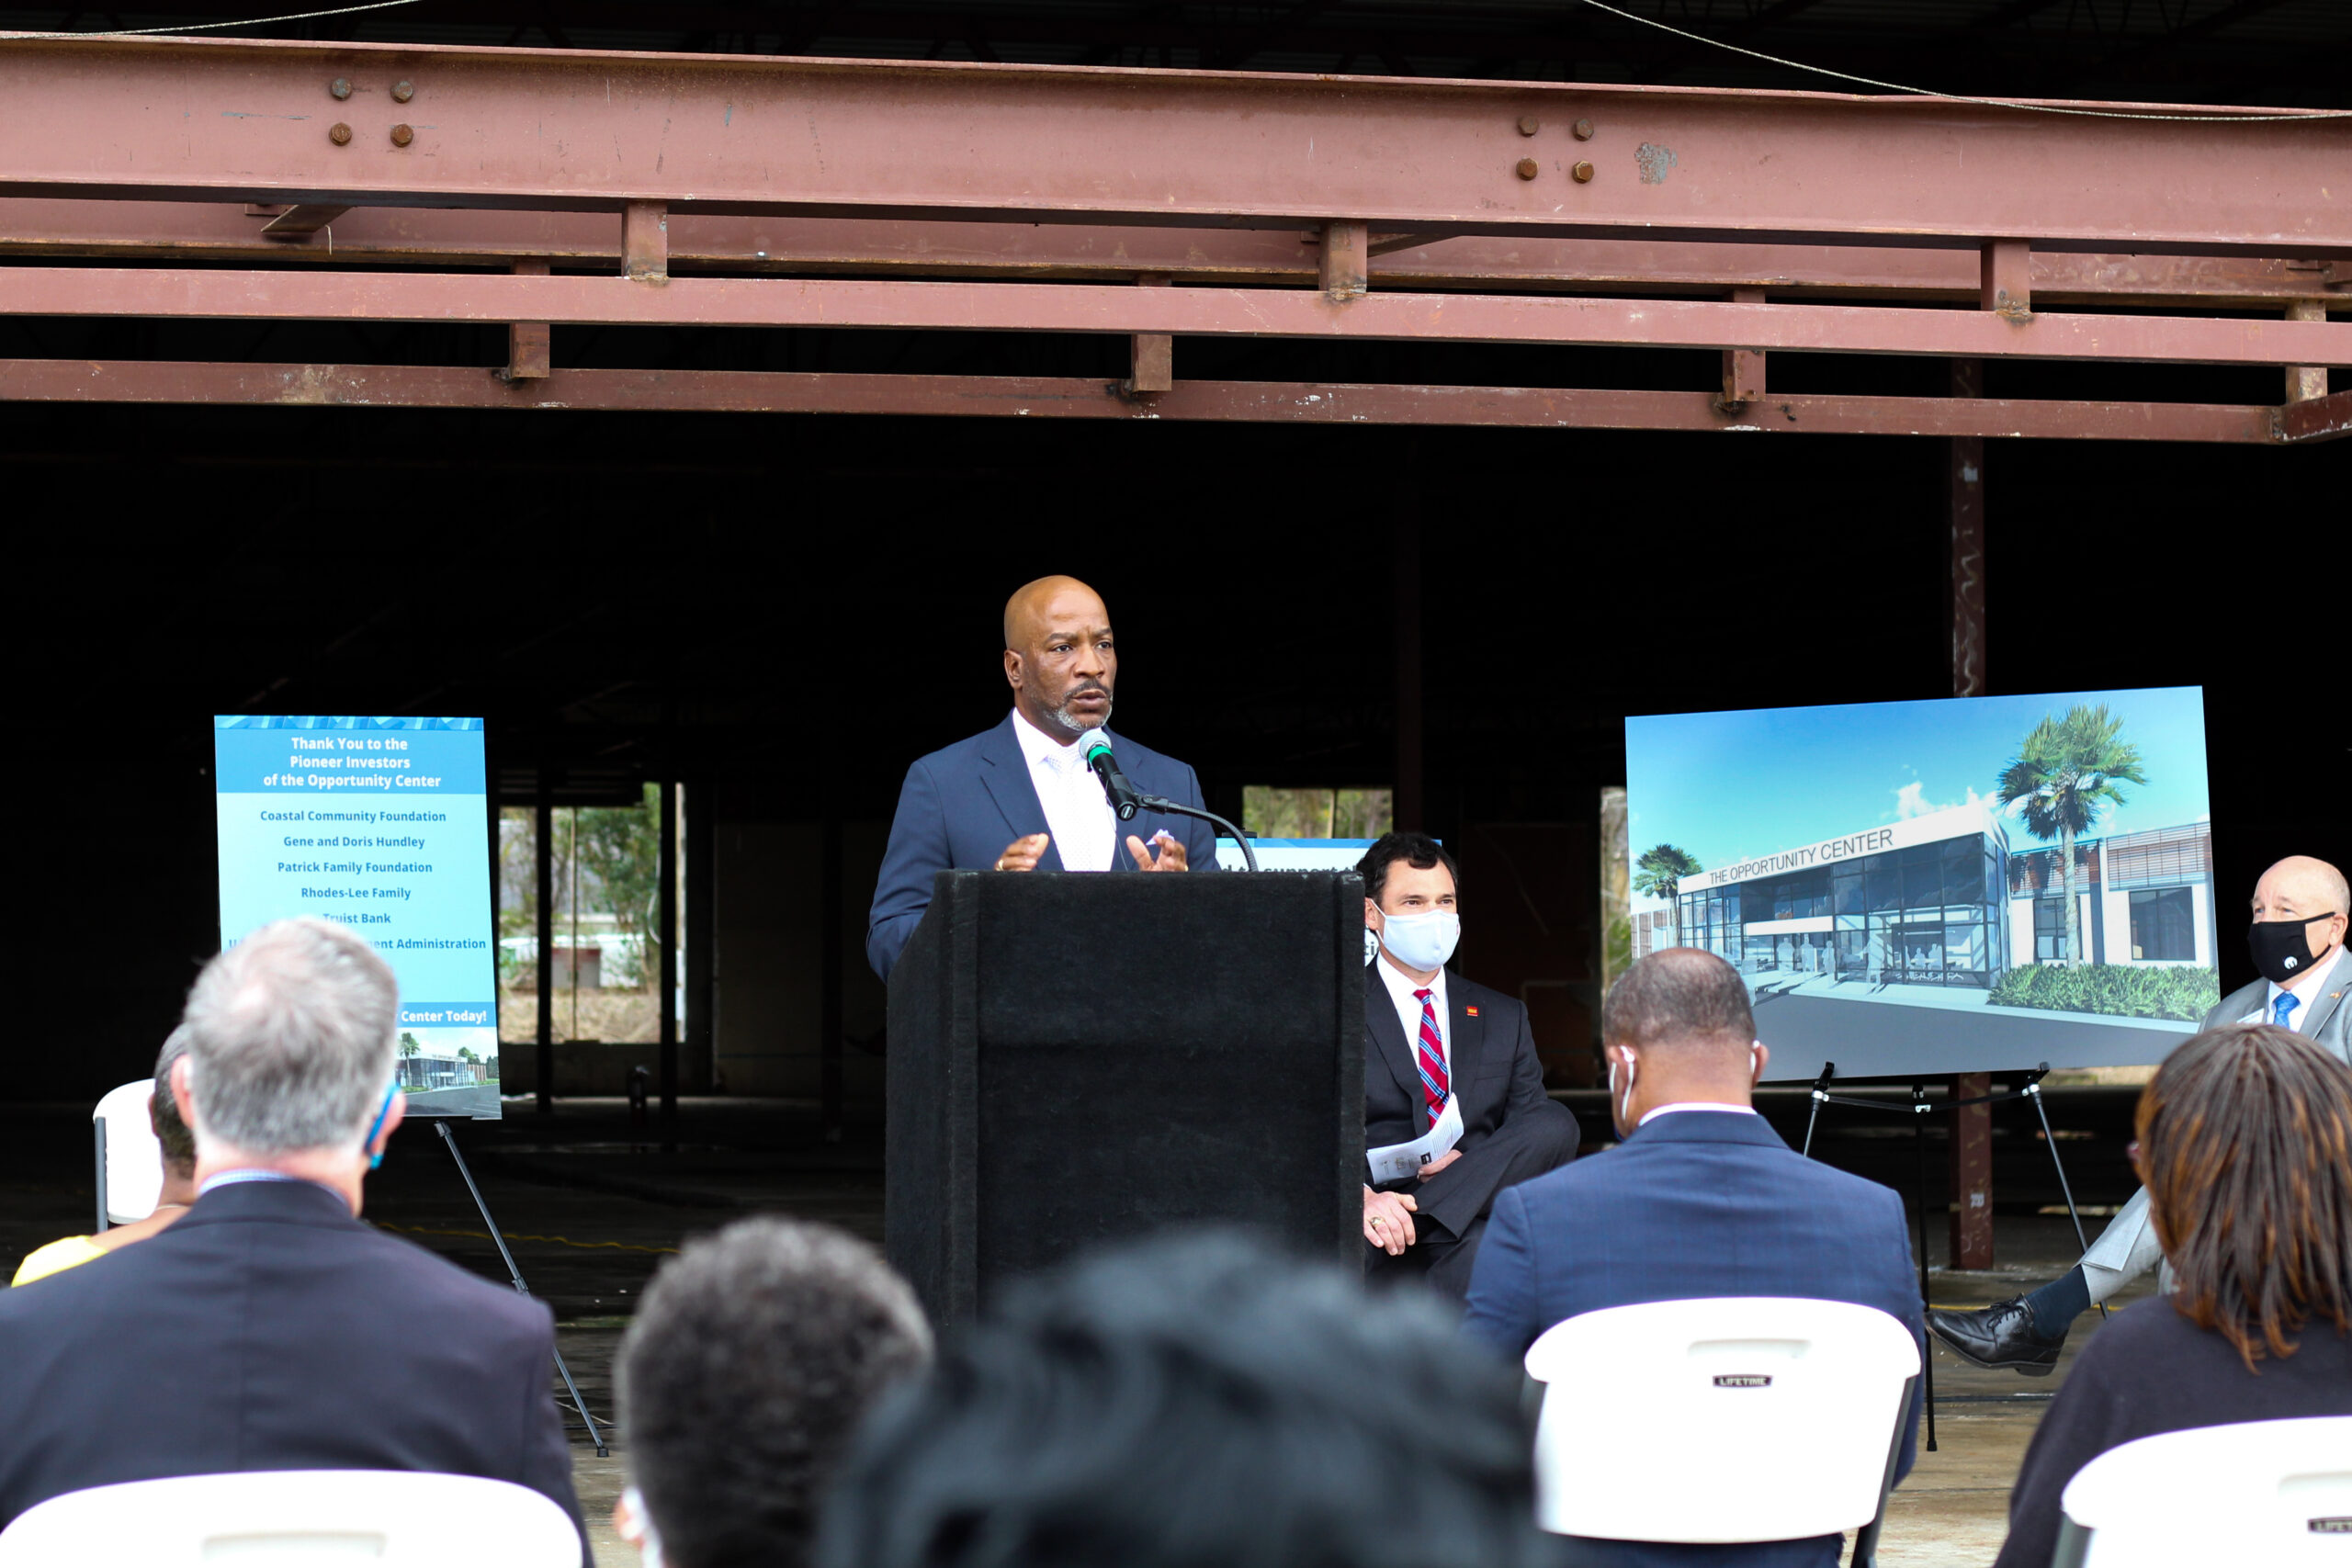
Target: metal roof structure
376	183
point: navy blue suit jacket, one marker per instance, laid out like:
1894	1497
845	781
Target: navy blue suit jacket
270	1329
961	806
1698	1203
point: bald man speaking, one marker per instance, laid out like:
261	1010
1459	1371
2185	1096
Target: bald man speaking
1021	797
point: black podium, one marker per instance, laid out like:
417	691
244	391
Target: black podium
1078	1059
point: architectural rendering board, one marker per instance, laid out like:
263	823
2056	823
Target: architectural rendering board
1959	886
381	824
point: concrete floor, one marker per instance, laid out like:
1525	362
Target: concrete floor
591	1205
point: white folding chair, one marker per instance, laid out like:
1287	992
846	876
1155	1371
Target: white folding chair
130	1162
1739	1418
296	1518
2276	1492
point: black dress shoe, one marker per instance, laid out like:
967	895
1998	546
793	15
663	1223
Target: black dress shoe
2000	1335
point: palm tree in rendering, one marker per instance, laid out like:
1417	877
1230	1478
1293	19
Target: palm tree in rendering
2061	780
1659	873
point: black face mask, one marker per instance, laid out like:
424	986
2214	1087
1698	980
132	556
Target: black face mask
2279	951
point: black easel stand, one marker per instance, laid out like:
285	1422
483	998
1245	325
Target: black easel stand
516	1275
1920	1107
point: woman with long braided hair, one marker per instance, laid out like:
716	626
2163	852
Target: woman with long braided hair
2245	1149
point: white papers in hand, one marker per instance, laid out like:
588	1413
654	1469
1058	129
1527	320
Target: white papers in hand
1397	1162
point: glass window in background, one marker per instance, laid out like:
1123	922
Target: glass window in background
517	889
1269	811
2163	926
2049	930
604	957
1616	890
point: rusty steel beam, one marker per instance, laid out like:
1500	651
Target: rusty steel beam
757	392
2316	419
1206	312
583	130
193	231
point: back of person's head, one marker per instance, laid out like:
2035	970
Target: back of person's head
1417	849
290	1038
2245	1146
1682	997
742	1378
164	1113
1196	1403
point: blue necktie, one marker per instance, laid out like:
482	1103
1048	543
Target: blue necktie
2287	1002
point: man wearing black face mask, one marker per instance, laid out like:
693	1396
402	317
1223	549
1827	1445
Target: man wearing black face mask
2297	939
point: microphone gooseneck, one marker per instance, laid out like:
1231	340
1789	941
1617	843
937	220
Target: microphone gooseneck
1125	801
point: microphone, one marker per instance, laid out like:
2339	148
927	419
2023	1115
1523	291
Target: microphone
1125	801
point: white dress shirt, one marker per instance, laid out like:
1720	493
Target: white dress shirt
1078	814
1656	1111
1401	987
2305	989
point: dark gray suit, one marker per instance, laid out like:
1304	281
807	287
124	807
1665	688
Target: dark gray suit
1510	1128
2127	1248
270	1329
2329	1015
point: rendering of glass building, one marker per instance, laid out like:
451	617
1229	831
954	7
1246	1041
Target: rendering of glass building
1917	903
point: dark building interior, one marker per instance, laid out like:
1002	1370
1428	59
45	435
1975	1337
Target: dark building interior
778	613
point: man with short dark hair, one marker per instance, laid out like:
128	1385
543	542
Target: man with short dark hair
1192	1401
1702	1199
1446	1057
742	1378
175	1150
270	1329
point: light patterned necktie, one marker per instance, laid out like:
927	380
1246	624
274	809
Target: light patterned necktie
1431	1058
2287	1002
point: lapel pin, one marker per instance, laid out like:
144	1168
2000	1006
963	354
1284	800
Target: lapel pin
1471	1011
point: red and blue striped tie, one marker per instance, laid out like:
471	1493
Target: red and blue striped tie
1431	1058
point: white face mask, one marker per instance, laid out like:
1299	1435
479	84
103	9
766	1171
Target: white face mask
1421	942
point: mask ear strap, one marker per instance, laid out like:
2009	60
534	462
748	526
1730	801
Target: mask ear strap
376	1160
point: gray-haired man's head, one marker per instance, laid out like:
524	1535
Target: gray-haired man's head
290	1038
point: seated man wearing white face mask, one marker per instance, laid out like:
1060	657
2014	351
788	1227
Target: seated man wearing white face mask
1453	1104
1702	1199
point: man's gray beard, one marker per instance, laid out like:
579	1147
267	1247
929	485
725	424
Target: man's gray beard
1075	725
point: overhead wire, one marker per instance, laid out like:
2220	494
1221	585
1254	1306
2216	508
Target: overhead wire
217	27
2026	104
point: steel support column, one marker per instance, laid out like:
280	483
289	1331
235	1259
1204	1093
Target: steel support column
1410	805
1151	357
1970	1238
2305	382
